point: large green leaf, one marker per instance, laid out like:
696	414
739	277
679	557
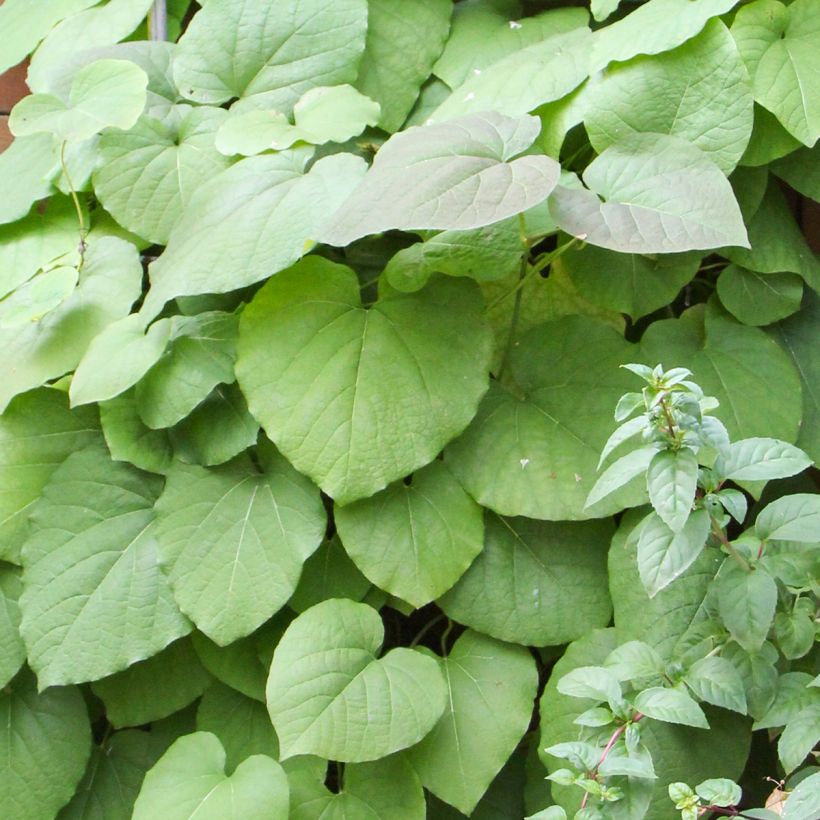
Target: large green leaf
147	175
524	80
491	687
155	688
381	790
628	282
759	298
465	176
43	749
535	583
699	91
232	541
37	433
485	31
113	777
404	38
662	619
12	649
200	356
105	93
189	781
250	221
241	723
414	541
353	397
801	169
662	195
238	48
95	600
647	31
679	753
736	364
27	167
110	281
329	694
798	337
533	449
778	43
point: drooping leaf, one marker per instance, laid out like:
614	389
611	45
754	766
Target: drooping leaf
189	781
466	177
414	541
756	459
105	93
621	472
735	364
535	583
404	38
759	299
109	283
534	450
241	723
232	541
250	221
44	747
322	374
154	688
491	688
699	91
238	49
662	195
147	175
37	433
777	43
329	694
379	790
90	560
12	649
113	777
801	169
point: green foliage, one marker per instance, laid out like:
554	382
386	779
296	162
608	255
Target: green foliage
314	319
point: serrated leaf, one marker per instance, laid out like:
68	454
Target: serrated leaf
329	694
105	93
755	459
255	218
758	672
672	478
621	472
189	780
670	706
414	541
155	688
95	600
535	583
664	555
716	681
662	195
44	748
790	518
232	541
404	38
467	177
746	601
794	693
146	175
328	414
37	433
591	682
491	688
634	659
238	49
699	91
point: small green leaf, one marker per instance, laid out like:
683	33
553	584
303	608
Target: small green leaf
620	473
795	631
672	478
670	706
799	737
634	659
804	802
583	756
716	681
735	503
189	781
746	602
329	694
105	93
596	682
719	792
790	518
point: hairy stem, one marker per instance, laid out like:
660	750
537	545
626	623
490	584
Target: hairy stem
607	749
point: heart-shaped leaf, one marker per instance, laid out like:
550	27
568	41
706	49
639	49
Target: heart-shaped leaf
189	781
330	695
322	374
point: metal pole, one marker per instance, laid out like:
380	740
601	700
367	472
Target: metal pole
158	21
